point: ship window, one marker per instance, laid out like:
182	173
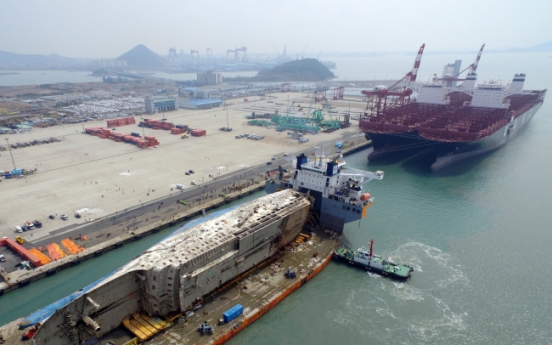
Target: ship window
154	278
153	287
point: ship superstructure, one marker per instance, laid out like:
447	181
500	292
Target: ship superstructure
172	276
455	120
337	190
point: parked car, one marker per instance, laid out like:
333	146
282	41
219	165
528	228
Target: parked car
2	258
51	216
19	239
24	228
268	163
191	171
64	217
18	229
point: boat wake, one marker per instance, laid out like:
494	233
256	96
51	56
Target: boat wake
422	309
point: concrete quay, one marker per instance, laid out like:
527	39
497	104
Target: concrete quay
119	189
116	230
21	278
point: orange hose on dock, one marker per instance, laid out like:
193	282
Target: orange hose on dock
43	258
71	246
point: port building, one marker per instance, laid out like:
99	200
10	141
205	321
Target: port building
156	104
209	78
198	104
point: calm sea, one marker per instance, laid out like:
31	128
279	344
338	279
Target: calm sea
478	235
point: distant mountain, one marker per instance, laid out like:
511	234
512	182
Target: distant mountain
543	47
141	56
8	59
539	48
296	70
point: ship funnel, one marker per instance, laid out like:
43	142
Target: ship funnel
469	84
517	84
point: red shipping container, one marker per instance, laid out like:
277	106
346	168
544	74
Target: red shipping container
111	123
130	121
199	132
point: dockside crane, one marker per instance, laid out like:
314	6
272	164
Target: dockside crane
230	54
243	51
447	80
173	57
379	95
195	56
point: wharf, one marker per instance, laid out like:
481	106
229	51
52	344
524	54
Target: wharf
21	278
125	227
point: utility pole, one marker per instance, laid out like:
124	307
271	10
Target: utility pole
227	121
143	133
9	148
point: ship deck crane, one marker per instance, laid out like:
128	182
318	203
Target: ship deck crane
366	175
381	94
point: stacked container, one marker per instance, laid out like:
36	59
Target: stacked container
198	132
156	124
121	122
131	138
179	129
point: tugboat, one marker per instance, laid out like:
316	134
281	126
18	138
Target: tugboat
337	190
373	263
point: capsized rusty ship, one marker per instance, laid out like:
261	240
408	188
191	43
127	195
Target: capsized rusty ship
453	117
192	277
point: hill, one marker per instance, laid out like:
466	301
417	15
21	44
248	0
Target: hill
539	48
543	47
296	70
14	60
141	56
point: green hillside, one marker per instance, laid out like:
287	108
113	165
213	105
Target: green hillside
296	70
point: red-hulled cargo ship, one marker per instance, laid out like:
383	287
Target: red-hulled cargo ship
456	121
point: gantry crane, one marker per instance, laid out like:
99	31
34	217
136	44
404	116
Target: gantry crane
399	95
195	56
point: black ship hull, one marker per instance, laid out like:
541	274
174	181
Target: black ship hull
370	268
387	145
448	153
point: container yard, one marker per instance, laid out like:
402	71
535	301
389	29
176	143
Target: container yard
103	177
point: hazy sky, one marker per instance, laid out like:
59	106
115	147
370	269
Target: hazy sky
108	28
